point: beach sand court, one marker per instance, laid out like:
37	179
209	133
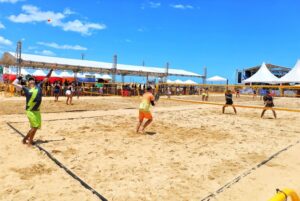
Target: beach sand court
189	151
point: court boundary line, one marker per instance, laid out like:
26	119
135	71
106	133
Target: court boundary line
90	117
61	165
207	198
70	111
246	173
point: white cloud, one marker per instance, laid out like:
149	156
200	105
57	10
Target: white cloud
9	1
33	14
181	6
151	4
154	4
32	48
4	41
45	52
68	11
62	47
141	30
78	26
2	26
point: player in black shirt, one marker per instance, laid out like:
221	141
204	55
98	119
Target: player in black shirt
229	102
268	101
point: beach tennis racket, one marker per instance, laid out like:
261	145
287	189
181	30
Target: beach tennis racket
156	98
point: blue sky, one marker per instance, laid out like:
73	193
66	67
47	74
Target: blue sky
222	35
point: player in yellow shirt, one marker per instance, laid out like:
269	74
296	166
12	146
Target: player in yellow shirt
144	109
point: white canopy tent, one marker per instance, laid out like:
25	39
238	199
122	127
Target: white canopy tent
98	76
12	71
179	82
293	76
24	71
66	74
263	75
81	75
39	72
54	74
216	79
190	82
106	77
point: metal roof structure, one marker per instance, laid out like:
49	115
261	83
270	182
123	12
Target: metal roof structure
269	66
263	75
77	65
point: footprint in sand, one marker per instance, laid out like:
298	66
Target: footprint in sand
55	151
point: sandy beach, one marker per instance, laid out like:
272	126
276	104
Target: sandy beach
188	153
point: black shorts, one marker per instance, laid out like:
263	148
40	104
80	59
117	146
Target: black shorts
229	102
269	105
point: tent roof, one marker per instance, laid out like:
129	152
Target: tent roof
24	71
263	75
179	81
97	75
39	72
83	74
106	77
66	74
190	82
216	79
293	75
55	74
37	61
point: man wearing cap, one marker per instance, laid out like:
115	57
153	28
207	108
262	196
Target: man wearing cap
268	100
144	109
33	95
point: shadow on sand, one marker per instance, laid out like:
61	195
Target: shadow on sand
150	133
38	142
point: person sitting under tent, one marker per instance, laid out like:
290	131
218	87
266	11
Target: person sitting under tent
269	104
229	102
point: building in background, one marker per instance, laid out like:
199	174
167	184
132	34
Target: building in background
243	74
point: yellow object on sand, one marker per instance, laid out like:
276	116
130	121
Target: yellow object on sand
284	195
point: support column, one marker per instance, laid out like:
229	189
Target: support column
147	79
205	75
123	78
75	76
114	71
19	57
114	68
